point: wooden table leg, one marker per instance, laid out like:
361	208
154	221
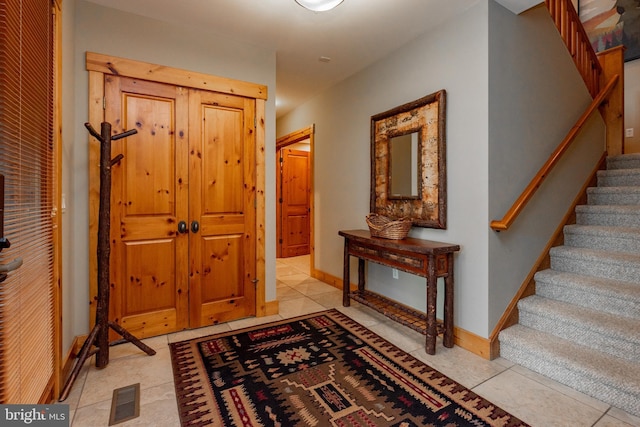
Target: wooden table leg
448	304
346	276
432	293
360	275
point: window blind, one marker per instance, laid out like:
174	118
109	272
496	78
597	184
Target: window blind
27	162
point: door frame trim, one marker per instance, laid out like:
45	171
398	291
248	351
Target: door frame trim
292	138
99	65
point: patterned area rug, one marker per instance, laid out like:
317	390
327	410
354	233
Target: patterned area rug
322	369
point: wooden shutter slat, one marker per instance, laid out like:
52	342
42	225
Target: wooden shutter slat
26	160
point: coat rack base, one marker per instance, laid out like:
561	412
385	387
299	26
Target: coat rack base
89	348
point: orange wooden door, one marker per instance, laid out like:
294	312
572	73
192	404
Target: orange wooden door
222	203
149	259
163	280
295	203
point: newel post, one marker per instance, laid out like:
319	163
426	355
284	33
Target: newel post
612	61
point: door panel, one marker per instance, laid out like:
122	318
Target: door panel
295	203
149	259
222	201
145	157
141	293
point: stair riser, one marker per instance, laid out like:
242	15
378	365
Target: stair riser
609	220
624	199
584	298
554	324
623	163
608	393
629	272
619	180
611	243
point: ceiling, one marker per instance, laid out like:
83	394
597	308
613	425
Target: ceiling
354	35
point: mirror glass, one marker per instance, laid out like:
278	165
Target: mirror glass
403	167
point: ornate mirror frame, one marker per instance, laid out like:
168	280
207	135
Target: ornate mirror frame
427	117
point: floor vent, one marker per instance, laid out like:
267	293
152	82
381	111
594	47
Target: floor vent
125	404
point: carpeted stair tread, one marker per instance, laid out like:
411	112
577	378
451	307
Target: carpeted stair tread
608	238
618	177
607	378
613	195
612	296
608	368
597	263
624	161
609	215
609	333
582	326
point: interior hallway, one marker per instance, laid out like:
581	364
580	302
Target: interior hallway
525	394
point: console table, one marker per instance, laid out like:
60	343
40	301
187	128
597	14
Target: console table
424	258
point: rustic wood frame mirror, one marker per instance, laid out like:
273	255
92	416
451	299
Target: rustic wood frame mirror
419	127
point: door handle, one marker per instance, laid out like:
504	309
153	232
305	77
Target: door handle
13	265
195	226
182	227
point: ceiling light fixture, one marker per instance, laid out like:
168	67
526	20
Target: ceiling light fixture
319	5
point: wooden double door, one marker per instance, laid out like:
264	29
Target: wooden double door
183	215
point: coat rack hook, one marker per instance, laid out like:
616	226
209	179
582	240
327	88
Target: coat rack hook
124	134
116	159
93	132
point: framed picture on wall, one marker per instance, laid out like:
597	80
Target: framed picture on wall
611	23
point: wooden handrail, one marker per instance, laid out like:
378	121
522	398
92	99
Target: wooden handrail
575	37
537	180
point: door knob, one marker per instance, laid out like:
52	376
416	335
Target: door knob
195	226
6	268
182	227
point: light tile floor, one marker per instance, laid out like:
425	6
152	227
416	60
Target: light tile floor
527	395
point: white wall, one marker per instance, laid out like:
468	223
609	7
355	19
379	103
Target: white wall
519	6
452	57
107	31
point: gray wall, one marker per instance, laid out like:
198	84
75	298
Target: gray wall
452	57
497	128
107	31
632	105
73	314
535	97
512	95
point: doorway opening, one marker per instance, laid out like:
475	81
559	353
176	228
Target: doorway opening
294	195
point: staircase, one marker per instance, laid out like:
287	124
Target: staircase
582	327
